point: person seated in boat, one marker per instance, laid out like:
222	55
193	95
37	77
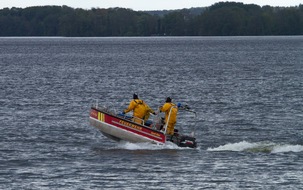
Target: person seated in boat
139	108
167	106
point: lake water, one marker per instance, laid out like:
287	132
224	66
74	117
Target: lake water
247	92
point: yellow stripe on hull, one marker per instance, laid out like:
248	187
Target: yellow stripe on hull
101	116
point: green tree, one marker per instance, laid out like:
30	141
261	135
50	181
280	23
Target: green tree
224	18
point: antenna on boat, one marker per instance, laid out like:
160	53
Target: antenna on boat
96	103
188	109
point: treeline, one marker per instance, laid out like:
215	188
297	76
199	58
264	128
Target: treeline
220	19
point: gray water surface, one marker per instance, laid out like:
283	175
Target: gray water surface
247	91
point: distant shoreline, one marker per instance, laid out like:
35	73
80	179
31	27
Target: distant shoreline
220	19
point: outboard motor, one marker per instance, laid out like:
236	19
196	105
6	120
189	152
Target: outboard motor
187	141
183	140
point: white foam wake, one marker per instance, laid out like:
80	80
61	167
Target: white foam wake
288	148
146	146
259	147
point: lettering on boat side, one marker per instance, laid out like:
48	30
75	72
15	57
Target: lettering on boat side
156	134
145	133
130	125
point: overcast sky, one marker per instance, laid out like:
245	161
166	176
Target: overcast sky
139	4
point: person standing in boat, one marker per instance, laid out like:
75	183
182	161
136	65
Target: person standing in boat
140	109
167	106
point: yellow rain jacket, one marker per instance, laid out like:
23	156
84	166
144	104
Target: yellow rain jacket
173	116
139	110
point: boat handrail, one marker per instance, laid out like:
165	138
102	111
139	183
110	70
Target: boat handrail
113	108
106	108
168	118
96	105
142	120
155	120
114	112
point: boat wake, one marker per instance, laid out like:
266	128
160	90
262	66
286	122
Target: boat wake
149	146
266	147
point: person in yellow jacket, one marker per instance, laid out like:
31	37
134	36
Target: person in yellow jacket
140	109
167	106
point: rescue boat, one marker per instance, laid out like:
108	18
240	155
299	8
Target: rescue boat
120	127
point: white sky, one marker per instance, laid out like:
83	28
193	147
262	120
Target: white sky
140	4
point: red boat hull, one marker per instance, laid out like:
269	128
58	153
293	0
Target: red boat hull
119	128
